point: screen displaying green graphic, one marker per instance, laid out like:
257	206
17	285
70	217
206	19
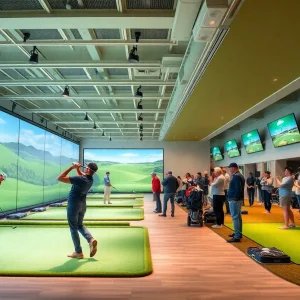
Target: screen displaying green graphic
216	153
32	158
252	142
129	168
231	148
284	131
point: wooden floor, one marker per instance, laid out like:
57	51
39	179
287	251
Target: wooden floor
189	263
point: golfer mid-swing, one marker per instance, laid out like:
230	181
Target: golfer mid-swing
3	176
77	205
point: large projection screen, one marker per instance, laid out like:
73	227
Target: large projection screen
129	168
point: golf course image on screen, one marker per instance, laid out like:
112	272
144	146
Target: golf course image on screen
32	158
284	131
216	153
252	142
129	168
231	148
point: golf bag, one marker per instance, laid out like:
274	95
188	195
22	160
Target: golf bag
195	207
268	255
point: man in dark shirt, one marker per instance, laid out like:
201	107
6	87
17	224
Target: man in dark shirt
235	198
77	205
250	182
170	184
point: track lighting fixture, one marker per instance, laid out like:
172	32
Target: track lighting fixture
26	36
140	118
103	134
94	127
66	92
141	138
34	55
133	57
86	118
141	134
14	105
140	106
141	127
110	139
42	120
56	127
139	93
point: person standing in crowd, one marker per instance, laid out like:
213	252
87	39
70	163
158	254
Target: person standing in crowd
107	188
250	182
156	189
198	180
3	176
235	198
218	194
226	186
259	190
205	183
285	197
76	208
297	185
170	184
267	185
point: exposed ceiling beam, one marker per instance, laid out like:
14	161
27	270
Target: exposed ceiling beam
77	97
95	42
106	122
86	82
92	110
87	64
46	6
87	19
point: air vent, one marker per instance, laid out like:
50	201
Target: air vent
43	34
151	34
147	72
150	4
87	4
20	5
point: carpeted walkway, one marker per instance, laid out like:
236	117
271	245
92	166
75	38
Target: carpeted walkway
42	251
116	196
115	203
92	214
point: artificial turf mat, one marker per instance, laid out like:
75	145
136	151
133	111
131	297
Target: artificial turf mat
116	196
115	203
42	251
268	235
92	214
59	223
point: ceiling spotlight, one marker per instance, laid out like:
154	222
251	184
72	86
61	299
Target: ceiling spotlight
110	139
133	58
94	127
66	92
34	55
103	134
26	36
56	127
86	118
140	118
141	127
141	138
139	93
14	105
141	134
42	120
140	106
212	22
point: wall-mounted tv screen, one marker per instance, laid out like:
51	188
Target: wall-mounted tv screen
252	142
232	149
129	169
284	131
216	153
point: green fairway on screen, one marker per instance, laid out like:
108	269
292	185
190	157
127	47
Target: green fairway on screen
129	169
216	153
284	131
232	149
252	142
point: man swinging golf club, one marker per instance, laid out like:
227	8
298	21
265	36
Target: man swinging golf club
3	176
77	205
107	189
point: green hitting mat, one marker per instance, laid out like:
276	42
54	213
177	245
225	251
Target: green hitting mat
42	251
268	235
52	223
116	196
92	214
115	203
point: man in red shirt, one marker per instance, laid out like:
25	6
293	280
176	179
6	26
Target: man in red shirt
156	189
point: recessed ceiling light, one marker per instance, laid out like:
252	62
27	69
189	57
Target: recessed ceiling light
212	22
222	118
275	79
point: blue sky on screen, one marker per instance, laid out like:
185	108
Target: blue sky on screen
250	137
9	128
230	145
124	155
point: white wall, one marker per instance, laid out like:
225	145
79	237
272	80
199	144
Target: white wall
179	157
270	154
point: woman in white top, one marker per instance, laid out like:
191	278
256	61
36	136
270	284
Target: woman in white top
297	192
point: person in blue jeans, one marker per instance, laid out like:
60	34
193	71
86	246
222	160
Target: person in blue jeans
235	198
170	184
77	205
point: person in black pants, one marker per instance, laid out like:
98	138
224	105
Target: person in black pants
250	182
226	186
218	194
267	184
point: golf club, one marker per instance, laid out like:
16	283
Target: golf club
10	224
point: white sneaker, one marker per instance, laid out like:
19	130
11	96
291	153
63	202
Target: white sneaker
217	226
109	202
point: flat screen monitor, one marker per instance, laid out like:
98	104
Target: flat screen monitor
284	131
216	153
252	142
232	149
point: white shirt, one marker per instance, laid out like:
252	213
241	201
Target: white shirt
217	187
297	192
226	182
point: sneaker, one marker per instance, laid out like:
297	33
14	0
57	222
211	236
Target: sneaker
109	203
233	240
93	247
172	215
162	215
292	226
232	235
217	226
76	255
